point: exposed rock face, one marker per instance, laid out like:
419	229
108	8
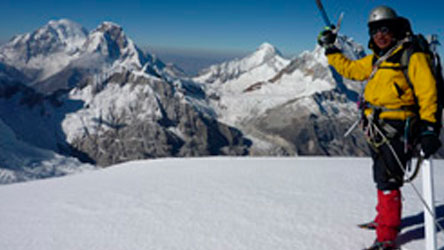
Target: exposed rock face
311	126
173	128
148	139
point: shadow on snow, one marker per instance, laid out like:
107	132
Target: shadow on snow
416	223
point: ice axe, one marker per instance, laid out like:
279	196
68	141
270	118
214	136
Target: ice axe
327	21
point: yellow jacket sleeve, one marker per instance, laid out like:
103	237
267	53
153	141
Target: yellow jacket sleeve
358	70
424	86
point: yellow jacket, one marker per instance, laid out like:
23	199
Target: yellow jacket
389	88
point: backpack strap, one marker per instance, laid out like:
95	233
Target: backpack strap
378	61
439	86
405	60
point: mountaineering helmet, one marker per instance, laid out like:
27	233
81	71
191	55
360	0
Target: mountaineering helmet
386	16
382	13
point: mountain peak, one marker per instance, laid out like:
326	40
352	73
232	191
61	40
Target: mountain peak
266	46
68	32
109	42
260	65
62	22
108	39
109	26
55	34
265	52
52	39
268	49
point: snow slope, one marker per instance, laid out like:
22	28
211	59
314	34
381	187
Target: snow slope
207	203
20	161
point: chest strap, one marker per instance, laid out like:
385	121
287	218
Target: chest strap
379	109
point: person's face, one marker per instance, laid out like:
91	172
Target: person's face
382	37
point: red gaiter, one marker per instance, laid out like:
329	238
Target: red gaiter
389	215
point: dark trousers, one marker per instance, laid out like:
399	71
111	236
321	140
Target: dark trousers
388	174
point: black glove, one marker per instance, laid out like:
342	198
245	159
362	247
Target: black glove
327	37
429	137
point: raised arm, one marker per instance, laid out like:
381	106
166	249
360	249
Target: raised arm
358	70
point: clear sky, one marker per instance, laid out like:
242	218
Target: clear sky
221	25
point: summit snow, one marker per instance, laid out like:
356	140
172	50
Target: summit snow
45	51
239	73
60	54
110	41
208	203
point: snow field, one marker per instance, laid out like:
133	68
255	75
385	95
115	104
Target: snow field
206	203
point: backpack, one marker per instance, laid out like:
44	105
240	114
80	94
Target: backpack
420	44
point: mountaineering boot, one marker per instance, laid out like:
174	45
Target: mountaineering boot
369	225
386	245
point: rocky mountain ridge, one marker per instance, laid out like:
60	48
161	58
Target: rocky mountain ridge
303	108
108	103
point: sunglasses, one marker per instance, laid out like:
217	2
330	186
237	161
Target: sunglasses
383	29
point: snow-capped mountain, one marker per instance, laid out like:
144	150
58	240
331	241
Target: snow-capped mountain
288	107
105	49
109	42
47	50
309	107
238	74
62	53
130	115
247	87
113	103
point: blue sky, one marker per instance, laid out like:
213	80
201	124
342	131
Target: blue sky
215	25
